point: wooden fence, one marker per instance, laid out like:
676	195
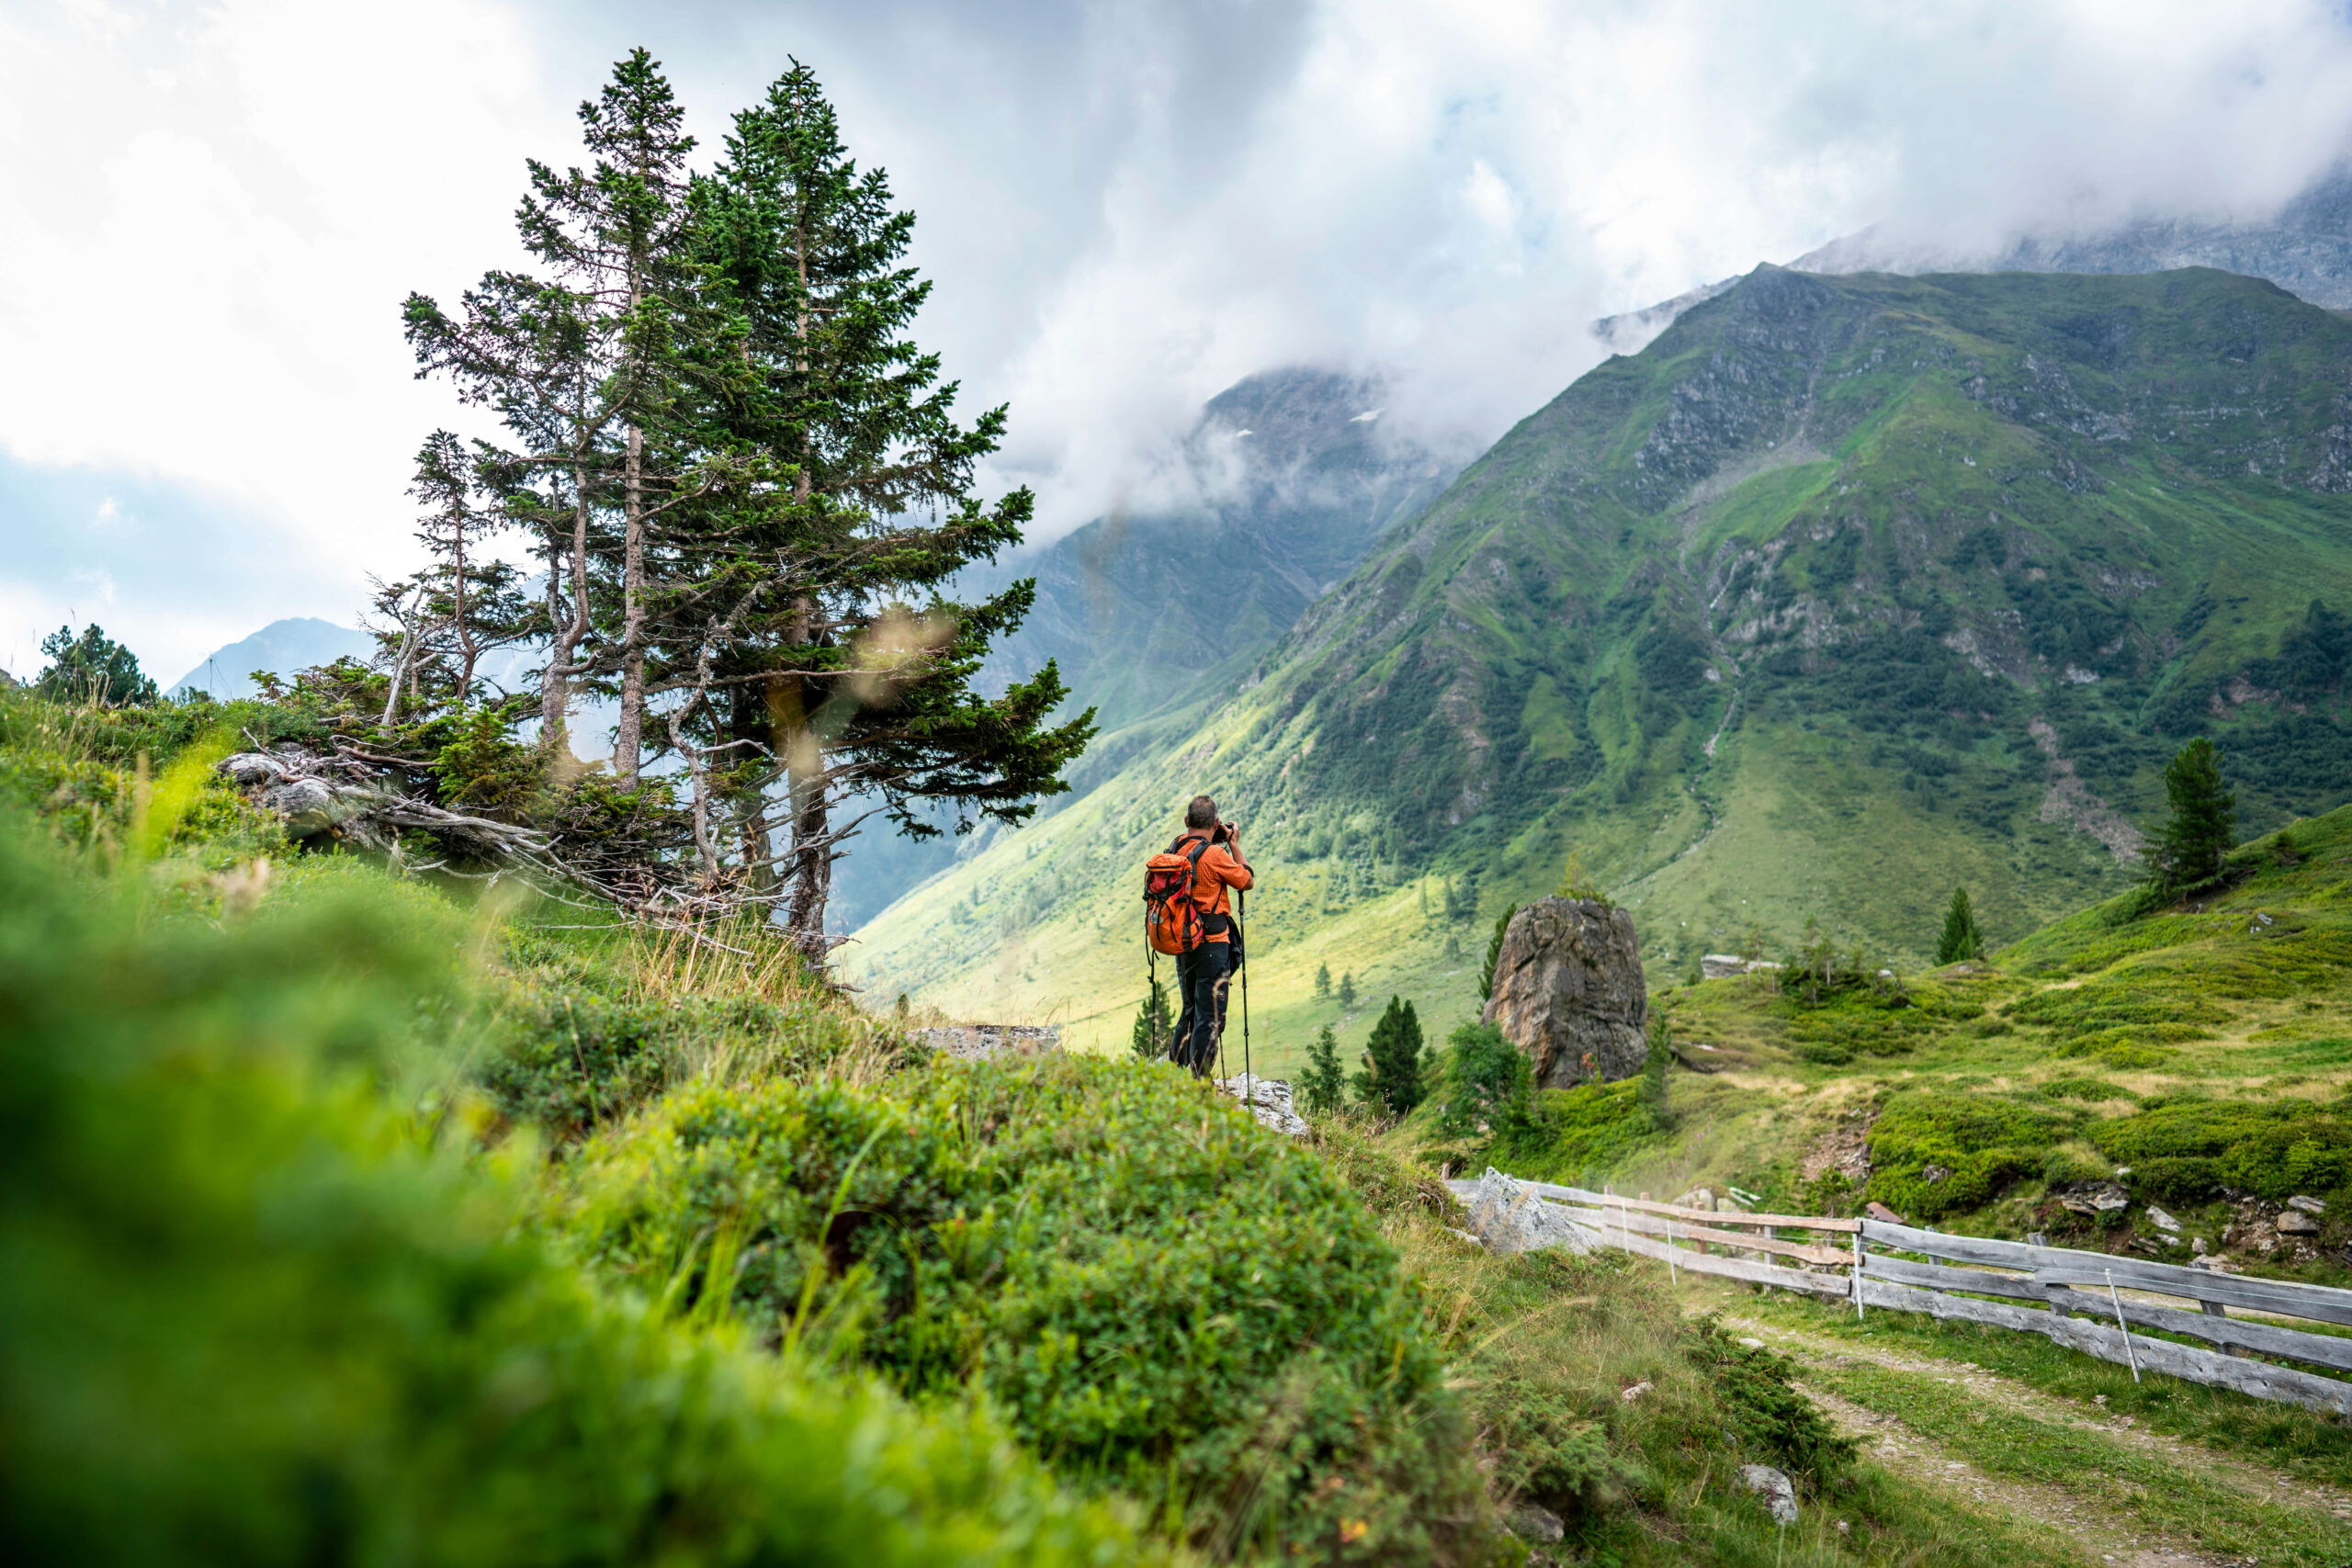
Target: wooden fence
2034	1290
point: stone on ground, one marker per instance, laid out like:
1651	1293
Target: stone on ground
1509	1217
1267	1100
1778	1493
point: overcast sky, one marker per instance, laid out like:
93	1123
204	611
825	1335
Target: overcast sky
213	211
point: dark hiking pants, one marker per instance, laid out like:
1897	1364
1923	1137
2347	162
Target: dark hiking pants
1198	974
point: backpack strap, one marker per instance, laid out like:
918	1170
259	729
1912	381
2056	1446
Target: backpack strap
1200	847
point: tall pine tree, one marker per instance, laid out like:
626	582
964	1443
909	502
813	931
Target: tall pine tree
841	666
591	364
2186	853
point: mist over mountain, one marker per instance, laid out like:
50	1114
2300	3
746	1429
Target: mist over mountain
2305	248
1279	488
1844	589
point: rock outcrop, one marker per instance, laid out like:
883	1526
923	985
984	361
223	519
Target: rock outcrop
1269	1101
1509	1215
989	1042
1569	991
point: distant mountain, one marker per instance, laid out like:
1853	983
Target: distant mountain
2305	248
1279	488
1284	481
280	649
1844	591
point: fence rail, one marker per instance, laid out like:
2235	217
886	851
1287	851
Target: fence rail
2033	1287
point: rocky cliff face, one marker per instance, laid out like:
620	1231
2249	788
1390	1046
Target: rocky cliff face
1569	991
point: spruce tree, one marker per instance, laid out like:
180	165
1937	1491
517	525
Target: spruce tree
1322	982
1322	1082
2186	853
1653	1095
1391	1081
474	599
1154	1029
842	666
93	670
437	628
1347	991
1960	939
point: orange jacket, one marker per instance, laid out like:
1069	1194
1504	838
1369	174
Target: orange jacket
1218	872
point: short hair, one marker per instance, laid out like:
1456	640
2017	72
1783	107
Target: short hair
1202	813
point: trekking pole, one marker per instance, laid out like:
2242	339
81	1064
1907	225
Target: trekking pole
1240	908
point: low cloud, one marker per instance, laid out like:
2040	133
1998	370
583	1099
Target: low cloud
216	207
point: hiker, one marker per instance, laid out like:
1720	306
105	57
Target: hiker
1203	974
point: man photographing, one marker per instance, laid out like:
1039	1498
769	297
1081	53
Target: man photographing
1202	975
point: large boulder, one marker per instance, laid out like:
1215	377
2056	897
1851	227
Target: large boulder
1569	991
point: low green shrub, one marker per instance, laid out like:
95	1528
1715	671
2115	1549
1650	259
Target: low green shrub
2190	1151
1934	1153
249	1314
1578	1132
2081	1088
1159	1295
1763	1410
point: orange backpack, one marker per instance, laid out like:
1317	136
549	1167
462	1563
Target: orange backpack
1171	915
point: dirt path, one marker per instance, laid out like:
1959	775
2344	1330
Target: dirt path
2104	1536
2106	1533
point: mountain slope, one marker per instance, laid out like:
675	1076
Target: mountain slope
1843	590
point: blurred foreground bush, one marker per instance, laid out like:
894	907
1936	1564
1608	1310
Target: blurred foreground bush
249	1316
1161	1295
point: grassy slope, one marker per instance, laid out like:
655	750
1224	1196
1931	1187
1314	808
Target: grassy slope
1901	521
458	1382
2071	1049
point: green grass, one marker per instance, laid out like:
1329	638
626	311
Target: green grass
2049	1449
442	1188
1543	1347
265	1299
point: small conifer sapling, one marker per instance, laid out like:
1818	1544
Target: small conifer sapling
1960	939
1494	952
1154	1029
1391	1081
1322	1081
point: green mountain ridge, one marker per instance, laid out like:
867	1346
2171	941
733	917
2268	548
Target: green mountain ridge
1842	592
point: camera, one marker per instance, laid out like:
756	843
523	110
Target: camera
1225	832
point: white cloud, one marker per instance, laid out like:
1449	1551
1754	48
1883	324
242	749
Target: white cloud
215	208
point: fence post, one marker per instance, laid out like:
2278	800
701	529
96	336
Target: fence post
2215	1309
1858	1274
2125	1328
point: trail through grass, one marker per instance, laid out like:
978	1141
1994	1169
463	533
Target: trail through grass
2155	1472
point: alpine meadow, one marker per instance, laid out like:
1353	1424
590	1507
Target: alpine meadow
1033	890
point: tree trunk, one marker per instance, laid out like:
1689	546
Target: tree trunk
555	682
626	739
813	856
